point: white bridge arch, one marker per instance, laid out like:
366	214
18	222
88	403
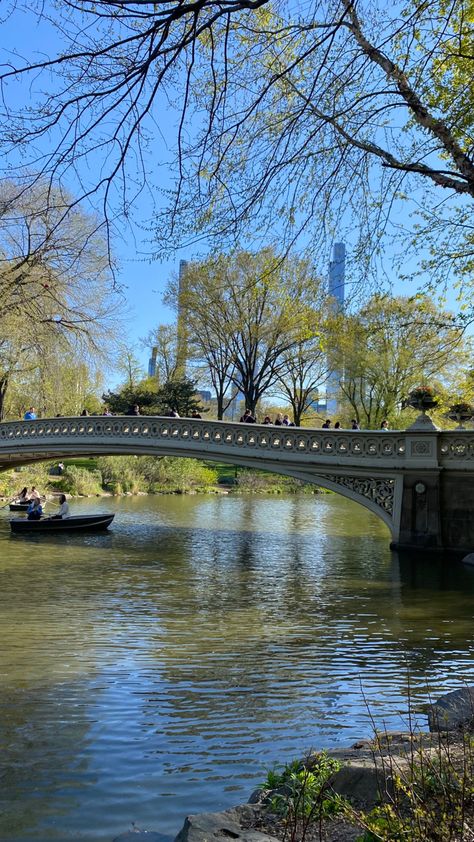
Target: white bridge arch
373	468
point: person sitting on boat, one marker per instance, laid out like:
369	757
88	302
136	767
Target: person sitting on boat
35	510
34	494
63	511
23	496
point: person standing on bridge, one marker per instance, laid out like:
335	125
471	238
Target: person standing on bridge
134	410
326	424
248	418
355	424
30	414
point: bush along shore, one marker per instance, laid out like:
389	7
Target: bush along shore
395	787
118	475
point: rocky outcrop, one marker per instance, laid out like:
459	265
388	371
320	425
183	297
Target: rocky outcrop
236	823
453	712
365	777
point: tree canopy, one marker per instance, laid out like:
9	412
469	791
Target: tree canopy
288	120
391	346
246	314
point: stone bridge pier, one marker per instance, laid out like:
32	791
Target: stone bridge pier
419	481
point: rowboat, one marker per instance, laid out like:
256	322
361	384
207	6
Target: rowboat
86	523
21	507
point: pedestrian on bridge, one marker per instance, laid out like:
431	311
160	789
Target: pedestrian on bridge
248	418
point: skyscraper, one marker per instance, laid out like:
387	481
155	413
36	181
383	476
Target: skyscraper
337	269
181	350
336	289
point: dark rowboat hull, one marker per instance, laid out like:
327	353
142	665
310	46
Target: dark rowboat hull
86	523
22	507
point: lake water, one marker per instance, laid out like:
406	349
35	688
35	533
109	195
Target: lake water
161	668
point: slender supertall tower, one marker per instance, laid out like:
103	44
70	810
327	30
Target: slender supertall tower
337	269
336	289
181	343
152	362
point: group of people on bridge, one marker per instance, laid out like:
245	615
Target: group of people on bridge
248	417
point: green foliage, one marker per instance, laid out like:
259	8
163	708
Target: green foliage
153	474
262	482
180	395
389	347
121	473
11	482
179	475
79	481
174	394
303	794
432	796
122	401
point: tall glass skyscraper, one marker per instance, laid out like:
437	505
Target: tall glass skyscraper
336	288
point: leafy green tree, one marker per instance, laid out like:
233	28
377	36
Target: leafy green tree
57	305
143	395
337	112
245	314
181	396
389	347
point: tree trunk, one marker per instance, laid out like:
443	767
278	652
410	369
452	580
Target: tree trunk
3	392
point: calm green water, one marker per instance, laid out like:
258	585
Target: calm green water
160	669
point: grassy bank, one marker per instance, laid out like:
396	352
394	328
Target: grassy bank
146	474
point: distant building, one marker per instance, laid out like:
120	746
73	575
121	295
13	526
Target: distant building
336	289
337	271
182	349
152	362
204	395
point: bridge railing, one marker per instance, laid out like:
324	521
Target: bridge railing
454	448
188	432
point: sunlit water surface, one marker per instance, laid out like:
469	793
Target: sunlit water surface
162	668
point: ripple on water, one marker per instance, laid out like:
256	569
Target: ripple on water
162	668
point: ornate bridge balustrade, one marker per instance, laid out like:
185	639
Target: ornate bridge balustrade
395	474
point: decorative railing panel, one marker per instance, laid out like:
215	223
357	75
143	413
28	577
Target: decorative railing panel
320	444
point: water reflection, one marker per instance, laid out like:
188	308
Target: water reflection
160	669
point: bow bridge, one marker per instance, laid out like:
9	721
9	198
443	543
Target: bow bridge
420	481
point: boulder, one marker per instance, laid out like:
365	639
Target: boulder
235	823
453	712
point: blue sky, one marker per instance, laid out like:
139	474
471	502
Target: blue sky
143	279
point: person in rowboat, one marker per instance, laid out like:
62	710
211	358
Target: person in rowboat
22	497
35	509
63	511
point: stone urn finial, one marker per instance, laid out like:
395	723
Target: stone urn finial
421	398
460	412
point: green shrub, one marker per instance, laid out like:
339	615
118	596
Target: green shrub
432	797
79	481
11	482
175	474
121	473
303	796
